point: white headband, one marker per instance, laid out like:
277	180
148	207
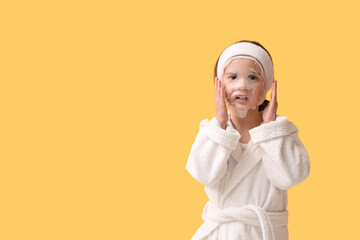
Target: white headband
249	50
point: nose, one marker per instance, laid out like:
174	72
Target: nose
243	84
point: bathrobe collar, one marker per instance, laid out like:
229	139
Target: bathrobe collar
246	159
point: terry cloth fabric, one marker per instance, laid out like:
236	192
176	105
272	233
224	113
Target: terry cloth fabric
248	214
251	182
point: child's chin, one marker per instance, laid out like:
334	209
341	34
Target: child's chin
242	107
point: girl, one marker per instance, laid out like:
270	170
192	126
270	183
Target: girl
249	156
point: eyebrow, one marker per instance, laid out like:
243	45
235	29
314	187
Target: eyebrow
234	72
231	72
254	71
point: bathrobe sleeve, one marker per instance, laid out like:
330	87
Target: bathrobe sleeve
285	159
211	150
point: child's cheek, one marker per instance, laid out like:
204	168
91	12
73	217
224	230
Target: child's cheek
227	91
260	94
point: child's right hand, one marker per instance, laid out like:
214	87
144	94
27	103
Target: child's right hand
220	105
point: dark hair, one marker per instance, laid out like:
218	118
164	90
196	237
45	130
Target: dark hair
264	104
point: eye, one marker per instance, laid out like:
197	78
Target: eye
232	77
252	77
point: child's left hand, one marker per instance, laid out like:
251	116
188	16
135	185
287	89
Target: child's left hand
269	113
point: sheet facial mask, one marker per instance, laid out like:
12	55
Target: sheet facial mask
247	49
244	85
261	62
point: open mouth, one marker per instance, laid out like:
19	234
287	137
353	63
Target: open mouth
242	98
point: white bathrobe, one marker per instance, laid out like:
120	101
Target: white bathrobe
246	183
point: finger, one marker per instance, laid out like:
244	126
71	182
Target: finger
273	93
215	86
275	90
274	104
219	87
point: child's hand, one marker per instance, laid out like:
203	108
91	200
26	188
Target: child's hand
269	113
220	105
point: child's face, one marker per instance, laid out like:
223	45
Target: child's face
244	84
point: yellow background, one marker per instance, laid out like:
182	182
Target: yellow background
102	100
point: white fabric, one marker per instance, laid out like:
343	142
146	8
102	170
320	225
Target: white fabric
247	188
248	214
247	49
